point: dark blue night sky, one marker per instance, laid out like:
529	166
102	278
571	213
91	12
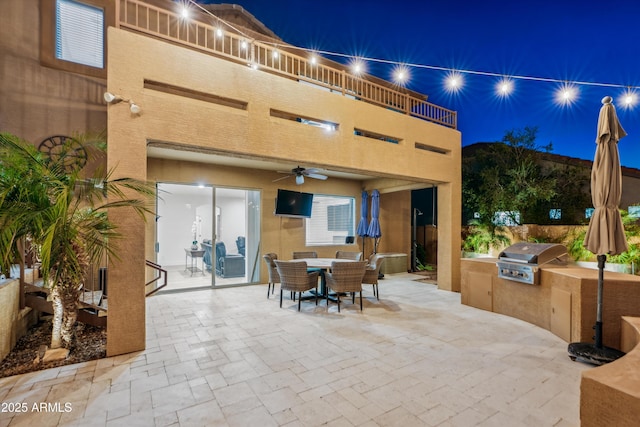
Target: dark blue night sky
564	40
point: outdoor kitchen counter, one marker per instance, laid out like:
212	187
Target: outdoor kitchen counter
564	302
610	394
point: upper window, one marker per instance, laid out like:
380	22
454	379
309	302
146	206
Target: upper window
79	33
507	218
332	220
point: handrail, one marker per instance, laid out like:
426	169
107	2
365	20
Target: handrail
161	272
164	24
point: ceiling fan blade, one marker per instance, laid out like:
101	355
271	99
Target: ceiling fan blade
284	177
316	176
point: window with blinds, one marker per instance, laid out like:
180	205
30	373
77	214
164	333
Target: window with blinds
332	220
79	33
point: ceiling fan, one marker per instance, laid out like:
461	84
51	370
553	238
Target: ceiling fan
300	173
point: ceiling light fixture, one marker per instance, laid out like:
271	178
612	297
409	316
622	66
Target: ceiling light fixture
299	179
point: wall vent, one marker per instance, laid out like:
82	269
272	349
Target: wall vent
194	94
437	150
374	135
324	124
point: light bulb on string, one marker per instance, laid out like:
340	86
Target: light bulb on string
566	94
184	12
454	82
401	75
628	99
357	67
504	87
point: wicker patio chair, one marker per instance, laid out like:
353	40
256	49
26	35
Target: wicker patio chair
298	255
274	277
356	256
372	273
295	278
346	276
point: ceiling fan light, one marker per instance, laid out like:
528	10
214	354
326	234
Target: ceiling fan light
299	179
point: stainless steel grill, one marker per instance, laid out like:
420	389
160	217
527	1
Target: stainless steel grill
520	262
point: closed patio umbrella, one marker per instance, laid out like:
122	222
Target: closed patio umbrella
362	229
374	225
605	234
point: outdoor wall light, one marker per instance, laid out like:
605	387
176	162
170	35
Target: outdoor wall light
110	98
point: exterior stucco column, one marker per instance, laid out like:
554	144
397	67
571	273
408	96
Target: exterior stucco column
449	229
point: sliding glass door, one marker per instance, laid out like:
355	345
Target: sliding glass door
207	236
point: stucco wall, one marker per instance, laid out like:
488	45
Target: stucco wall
253	132
35	101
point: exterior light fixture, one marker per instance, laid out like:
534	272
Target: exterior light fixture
111	98
134	108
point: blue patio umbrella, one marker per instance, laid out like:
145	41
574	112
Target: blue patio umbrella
374	225
363	225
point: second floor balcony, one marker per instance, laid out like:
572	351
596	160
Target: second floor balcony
206	33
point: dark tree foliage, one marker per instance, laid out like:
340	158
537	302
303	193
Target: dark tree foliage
513	176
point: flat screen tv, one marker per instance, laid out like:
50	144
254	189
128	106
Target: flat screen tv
294	204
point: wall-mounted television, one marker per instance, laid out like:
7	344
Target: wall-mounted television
294	204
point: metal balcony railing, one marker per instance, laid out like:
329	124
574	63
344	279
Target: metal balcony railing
139	16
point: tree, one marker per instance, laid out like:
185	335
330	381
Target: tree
48	200
507	177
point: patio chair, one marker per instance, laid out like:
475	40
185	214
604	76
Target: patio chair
372	273
346	276
299	255
356	256
295	278
274	277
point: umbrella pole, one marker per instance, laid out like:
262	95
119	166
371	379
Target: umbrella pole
598	326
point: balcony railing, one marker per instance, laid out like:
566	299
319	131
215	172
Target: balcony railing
168	25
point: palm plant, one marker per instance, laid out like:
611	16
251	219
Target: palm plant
65	214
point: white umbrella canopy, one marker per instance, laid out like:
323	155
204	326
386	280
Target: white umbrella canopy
605	234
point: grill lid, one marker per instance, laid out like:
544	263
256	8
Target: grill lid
534	253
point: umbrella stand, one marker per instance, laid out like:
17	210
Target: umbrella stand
596	354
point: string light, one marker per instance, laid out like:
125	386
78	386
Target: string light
401	75
565	95
454	81
504	87
357	67
629	99
184	12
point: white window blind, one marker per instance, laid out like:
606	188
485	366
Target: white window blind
332	220
79	33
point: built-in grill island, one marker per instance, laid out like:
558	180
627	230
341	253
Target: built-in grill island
521	261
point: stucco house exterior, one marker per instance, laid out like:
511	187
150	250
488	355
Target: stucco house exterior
227	109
